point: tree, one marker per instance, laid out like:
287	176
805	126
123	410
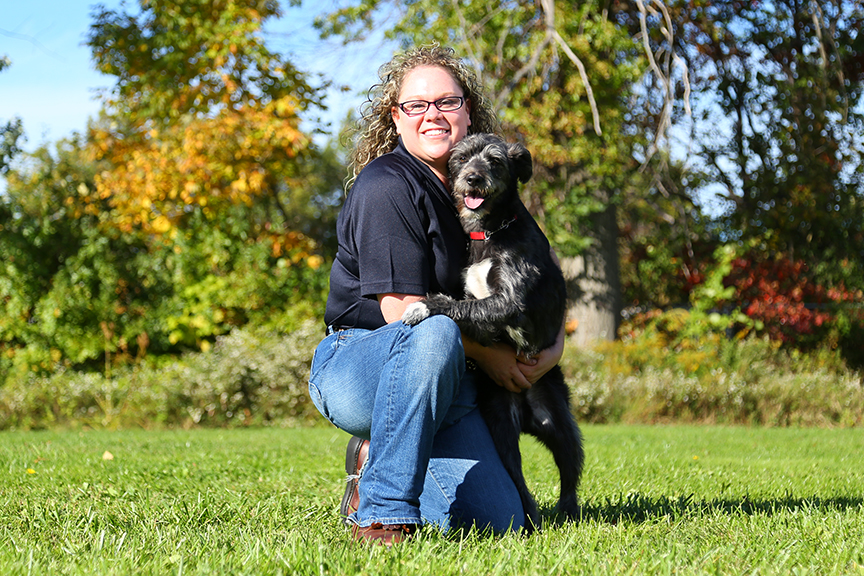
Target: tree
70	293
201	135
10	134
194	204
786	78
202	116
777	130
563	75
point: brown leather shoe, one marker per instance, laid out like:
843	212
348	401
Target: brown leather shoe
383	534
355	459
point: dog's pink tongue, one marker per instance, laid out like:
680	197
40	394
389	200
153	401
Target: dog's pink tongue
473	202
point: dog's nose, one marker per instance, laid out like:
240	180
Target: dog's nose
474	179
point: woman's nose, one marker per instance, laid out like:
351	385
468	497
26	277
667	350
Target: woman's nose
432	112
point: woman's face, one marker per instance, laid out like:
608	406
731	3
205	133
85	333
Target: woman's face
430	136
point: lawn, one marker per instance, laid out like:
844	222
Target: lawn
657	500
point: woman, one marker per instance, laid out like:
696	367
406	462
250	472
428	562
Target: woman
408	389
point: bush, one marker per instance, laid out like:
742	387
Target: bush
713	380
793	305
247	378
259	378
80	291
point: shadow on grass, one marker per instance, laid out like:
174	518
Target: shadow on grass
637	508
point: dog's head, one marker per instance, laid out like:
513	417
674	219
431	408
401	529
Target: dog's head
484	171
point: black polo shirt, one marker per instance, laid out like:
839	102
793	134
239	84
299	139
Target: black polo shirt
398	232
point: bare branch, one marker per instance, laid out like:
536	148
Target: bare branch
817	24
469	44
589	92
663	75
522	72
551	31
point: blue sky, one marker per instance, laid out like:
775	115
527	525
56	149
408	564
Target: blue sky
52	85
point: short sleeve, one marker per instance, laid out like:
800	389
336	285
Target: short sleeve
389	231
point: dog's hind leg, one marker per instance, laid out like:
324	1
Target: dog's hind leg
504	422
551	422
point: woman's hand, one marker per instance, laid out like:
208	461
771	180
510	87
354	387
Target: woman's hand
534	368
499	361
509	370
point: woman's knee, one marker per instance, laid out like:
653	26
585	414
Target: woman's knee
440	336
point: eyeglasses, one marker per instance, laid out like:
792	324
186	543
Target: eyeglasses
418	107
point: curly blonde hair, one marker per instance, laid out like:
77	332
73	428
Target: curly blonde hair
376	132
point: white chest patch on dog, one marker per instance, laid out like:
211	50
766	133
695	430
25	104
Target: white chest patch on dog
477	279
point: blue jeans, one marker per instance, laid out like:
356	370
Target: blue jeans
431	457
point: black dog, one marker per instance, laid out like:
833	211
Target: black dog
515	294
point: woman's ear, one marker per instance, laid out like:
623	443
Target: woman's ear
394	114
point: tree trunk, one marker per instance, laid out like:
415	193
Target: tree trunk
594	284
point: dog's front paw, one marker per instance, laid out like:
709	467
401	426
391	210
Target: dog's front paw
415	313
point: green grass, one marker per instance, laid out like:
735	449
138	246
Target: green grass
662	500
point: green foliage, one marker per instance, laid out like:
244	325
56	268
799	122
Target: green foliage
247	378
11	133
752	383
202	114
195	204
709	299
789	77
666	242
721	360
62	277
191	57
10	136
656	500
670	367
79	293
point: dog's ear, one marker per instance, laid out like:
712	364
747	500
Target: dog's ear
521	159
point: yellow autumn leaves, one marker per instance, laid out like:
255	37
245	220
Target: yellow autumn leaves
235	156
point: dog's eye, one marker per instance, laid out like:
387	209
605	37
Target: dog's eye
461	158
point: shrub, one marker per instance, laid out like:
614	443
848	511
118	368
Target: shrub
792	305
712	380
246	378
258	377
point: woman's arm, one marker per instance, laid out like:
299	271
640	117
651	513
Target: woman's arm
394	305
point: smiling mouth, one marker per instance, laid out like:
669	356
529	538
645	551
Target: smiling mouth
436	132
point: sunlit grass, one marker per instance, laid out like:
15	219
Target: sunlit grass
263	501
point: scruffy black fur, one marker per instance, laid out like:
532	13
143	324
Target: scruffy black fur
515	293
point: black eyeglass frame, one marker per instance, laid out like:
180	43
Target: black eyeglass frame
434	102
